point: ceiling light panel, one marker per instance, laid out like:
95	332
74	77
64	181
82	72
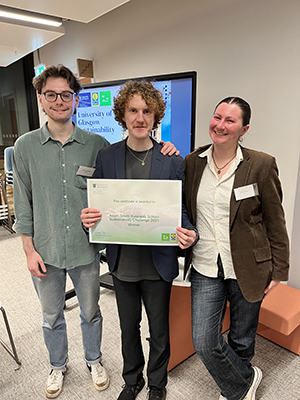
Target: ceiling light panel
26	16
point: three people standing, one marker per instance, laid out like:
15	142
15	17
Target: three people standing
233	198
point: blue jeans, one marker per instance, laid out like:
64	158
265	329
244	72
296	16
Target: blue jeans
228	363
51	292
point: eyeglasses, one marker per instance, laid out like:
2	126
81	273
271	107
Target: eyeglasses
52	96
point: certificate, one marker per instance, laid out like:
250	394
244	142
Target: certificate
140	212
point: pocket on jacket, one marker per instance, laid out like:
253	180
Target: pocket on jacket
263	254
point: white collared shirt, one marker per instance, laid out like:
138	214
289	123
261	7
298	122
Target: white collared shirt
213	212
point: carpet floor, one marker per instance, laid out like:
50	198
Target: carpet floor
188	381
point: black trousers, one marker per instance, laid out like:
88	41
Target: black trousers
156	298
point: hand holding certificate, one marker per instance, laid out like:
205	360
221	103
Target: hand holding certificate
135	211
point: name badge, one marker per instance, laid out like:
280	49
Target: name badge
244	192
85	171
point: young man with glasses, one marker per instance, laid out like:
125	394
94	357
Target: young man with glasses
49	193
48	196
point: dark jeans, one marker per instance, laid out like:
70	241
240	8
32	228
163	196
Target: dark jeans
156	298
229	364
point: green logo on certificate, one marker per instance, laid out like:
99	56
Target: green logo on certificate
165	237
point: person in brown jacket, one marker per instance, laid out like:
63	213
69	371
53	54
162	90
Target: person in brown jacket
234	198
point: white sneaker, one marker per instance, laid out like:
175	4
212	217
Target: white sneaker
99	376
256	381
222	397
54	383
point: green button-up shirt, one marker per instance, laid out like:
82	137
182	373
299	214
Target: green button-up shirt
49	196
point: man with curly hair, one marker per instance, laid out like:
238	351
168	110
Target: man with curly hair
142	273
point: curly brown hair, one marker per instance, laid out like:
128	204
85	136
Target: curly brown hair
60	71
152	97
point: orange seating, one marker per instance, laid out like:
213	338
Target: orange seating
279	319
181	342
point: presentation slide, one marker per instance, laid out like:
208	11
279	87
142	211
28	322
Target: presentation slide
94	113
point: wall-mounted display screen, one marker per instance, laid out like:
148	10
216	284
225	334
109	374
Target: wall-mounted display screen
95	114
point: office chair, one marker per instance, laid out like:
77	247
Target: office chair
5	217
8	165
12	351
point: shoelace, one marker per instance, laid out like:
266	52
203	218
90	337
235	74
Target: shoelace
129	389
97	371
156	393
54	377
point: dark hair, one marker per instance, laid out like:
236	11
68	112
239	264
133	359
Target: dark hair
244	106
152	97
56	72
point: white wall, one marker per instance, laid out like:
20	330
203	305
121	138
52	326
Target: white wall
238	47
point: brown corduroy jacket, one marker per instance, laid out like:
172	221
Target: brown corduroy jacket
258	237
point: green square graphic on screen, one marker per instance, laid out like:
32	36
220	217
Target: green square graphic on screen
105	98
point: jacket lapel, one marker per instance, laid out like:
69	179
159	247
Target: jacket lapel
120	160
196	178
157	162
241	179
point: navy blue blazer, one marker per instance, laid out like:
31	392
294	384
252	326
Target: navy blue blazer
110	164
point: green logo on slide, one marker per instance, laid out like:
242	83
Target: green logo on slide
105	98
